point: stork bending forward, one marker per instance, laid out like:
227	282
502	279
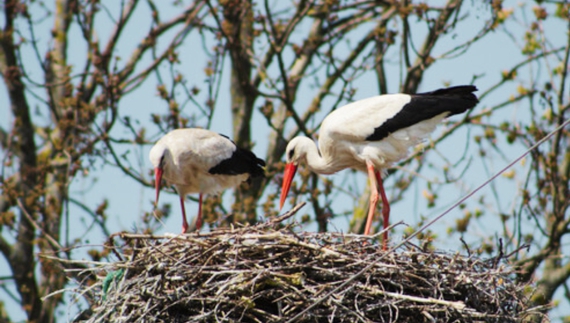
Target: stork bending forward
201	161
372	134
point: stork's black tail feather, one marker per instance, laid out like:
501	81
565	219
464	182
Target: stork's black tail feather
454	90
457	99
255	164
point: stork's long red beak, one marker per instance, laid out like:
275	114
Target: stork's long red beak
157	181
290	170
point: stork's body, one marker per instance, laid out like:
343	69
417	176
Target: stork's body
372	134
201	161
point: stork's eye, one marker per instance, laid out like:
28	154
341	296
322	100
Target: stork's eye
291	154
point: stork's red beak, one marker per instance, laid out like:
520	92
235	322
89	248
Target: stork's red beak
290	170
157	181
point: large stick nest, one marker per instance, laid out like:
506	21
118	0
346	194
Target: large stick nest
263	274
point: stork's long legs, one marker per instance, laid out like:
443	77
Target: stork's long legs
385	208
373	197
199	218
377	186
184	221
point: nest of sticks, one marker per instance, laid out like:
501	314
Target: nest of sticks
270	273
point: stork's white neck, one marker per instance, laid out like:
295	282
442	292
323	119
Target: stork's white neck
306	150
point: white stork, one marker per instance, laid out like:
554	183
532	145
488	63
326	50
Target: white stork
372	134
201	161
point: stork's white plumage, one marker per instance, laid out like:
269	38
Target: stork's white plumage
201	161
372	134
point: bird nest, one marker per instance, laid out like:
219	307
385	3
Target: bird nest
270	273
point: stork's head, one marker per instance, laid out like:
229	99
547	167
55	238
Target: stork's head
295	153
157	156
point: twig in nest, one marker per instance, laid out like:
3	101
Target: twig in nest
287	214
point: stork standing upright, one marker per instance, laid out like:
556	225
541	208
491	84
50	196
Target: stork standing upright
201	161
372	134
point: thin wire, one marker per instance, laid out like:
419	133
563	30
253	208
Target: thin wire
430	223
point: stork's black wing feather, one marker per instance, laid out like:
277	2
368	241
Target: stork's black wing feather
242	161
424	106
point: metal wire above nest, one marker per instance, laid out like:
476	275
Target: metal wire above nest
264	274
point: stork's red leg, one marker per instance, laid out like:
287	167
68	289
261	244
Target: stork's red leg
199	218
184	222
373	197
385	208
